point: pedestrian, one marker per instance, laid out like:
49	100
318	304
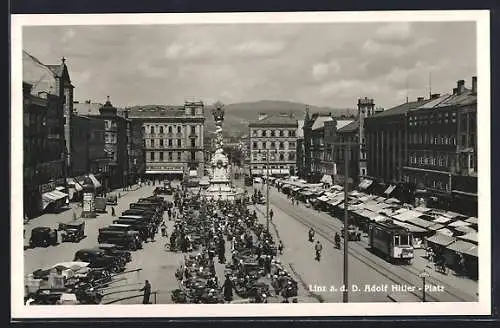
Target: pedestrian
280	247
228	289
113	211
271	214
74	216
318	248
147	292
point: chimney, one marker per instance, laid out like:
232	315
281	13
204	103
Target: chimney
435	95
262	116
474	84
455	90
419	99
460	86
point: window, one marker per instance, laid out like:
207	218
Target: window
463	140
169	155
161	142
472	140
260	133
282	134
152	129
161	129
291	133
179	143
282	157
178	129
170	142
291	145
272	133
152	142
193	143
179	156
193	130
161	156
453	117
291	156
453	140
255	145
193	156
152	156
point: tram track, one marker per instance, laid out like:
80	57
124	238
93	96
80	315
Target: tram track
449	294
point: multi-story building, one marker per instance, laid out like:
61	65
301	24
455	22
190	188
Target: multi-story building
317	141
441	157
275	136
137	163
44	143
300	162
172	139
87	140
116	144
65	91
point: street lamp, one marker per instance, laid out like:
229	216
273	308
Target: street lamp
423	275
267	189
347	147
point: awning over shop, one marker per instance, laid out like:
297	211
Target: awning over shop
435	226
442	219
389	190
463	247
96	182
327	179
459	224
410	227
166	172
465	230
52	196
441	239
406	215
323	198
471	220
420	222
445	231
470	237
365	184
74	184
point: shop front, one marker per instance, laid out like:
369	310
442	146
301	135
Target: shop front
53	196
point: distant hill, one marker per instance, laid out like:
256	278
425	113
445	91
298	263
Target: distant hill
238	115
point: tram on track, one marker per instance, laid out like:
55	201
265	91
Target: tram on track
390	241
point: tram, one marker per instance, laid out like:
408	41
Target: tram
392	242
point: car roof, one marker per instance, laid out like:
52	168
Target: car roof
119	225
90	250
131	217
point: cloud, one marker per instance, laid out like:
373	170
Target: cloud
188	50
68	35
258	48
393	32
322	70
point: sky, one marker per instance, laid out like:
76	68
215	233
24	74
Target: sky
325	64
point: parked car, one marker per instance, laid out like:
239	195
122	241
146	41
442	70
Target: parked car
73	231
43	236
98	259
111	249
257	180
128	239
100	204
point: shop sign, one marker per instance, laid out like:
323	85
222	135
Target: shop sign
47	187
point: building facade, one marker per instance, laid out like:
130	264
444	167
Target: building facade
173	139
275	136
87	138
44	140
317	144
442	150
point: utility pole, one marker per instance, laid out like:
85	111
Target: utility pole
267	193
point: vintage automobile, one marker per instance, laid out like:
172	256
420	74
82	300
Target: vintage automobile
43	236
111	249
73	231
100	204
112	199
137	224
353	233
118	236
98	259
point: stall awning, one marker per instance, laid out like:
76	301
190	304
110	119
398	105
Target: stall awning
435	226
442	219
459	224
337	187
389	190
365	184
471	237
441	239
74	184
445	231
420	222
335	201
465	230
52	196
463	247
323	199
166	172
471	220
410	227
327	179
96	182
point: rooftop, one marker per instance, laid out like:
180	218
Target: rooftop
320	122
401	109
38	75
275	120
343	123
466	97
156	111
351	127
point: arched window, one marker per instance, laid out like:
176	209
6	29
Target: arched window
152	129
170	129
273	145
161	129
282	157
282	134
272	133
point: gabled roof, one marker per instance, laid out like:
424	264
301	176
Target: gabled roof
400	109
466	97
57	69
38	75
342	123
320	122
351	127
275	120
